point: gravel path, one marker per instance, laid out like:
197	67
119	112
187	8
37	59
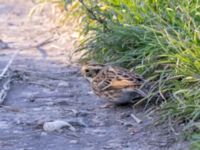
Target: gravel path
45	86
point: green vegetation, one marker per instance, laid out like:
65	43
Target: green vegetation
160	39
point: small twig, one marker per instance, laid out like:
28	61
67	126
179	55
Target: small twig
36	46
94	16
10	108
41	84
4	91
6	85
136	118
9	64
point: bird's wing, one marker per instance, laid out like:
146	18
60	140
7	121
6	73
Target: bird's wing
120	84
125	79
116	78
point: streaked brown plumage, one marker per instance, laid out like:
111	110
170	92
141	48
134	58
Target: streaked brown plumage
116	84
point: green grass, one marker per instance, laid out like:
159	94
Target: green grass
160	40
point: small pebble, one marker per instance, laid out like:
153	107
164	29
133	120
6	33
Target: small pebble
43	134
63	84
4	125
90	93
57	125
73	142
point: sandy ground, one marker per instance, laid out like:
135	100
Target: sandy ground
43	85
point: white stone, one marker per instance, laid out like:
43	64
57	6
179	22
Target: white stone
56	125
3	125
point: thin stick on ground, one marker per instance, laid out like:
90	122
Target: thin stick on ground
9	64
37	46
136	118
4	91
6	85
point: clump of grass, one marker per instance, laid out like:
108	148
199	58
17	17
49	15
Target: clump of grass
160	39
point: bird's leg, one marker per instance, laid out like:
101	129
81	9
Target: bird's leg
139	91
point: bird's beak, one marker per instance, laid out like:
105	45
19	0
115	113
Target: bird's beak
89	79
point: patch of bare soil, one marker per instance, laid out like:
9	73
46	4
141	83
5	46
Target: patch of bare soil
43	87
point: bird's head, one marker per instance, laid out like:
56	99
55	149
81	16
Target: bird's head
89	71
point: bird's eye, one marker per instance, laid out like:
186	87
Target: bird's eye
87	70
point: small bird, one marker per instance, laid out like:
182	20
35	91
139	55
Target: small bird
113	83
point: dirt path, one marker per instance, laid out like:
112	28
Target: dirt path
47	87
